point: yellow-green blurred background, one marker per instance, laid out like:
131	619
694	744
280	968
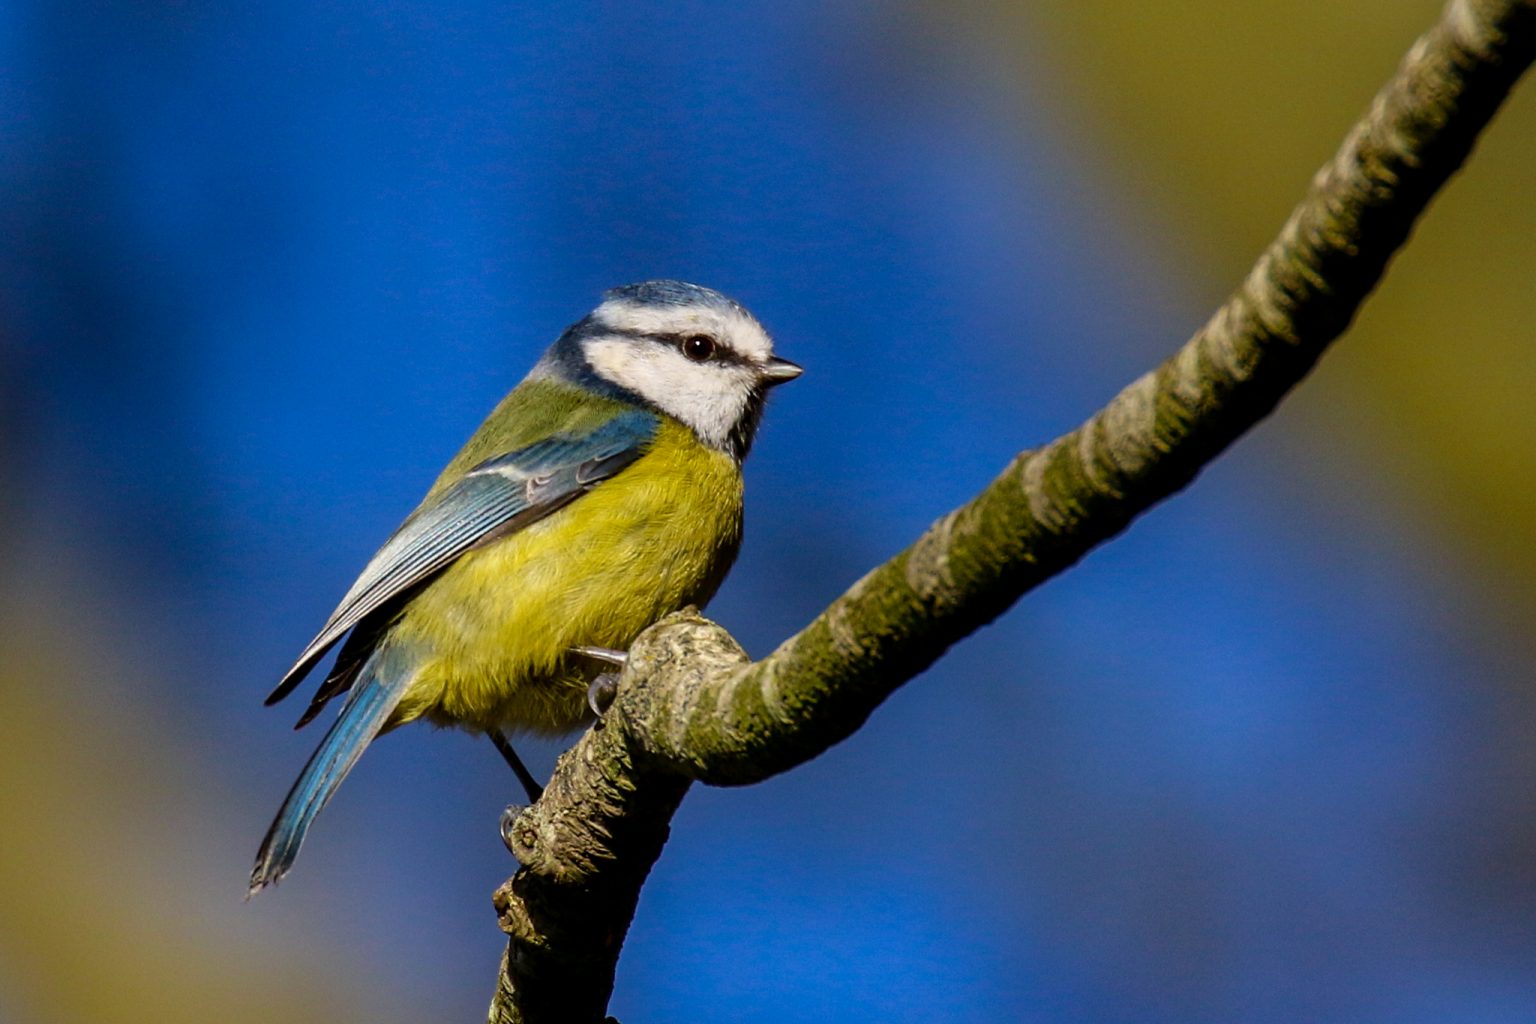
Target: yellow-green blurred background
1268	757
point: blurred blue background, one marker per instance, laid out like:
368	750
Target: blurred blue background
1268	757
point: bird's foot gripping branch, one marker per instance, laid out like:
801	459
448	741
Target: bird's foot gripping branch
586	846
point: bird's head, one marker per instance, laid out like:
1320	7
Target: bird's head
685	350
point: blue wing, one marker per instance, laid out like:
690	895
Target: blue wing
497	497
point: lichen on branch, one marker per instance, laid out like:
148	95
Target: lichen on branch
691	707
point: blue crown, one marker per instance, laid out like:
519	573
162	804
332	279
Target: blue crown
671	293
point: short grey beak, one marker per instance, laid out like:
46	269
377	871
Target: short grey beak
777	371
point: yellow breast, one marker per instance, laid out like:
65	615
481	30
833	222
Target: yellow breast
492	635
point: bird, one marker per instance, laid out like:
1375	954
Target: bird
601	494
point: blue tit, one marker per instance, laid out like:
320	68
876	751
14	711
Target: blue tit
602	493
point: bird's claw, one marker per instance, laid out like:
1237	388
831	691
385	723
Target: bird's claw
508	819
606	686
601	693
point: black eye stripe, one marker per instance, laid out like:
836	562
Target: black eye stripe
722	353
718	352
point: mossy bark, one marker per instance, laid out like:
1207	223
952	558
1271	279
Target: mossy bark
692	707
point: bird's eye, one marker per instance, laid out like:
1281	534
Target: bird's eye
698	347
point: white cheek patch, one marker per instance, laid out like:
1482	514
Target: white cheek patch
708	397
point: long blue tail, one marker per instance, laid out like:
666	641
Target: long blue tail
379	688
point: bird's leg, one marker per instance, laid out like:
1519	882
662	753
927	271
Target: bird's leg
608	654
530	785
606	686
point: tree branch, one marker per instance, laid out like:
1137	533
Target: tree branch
691	705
